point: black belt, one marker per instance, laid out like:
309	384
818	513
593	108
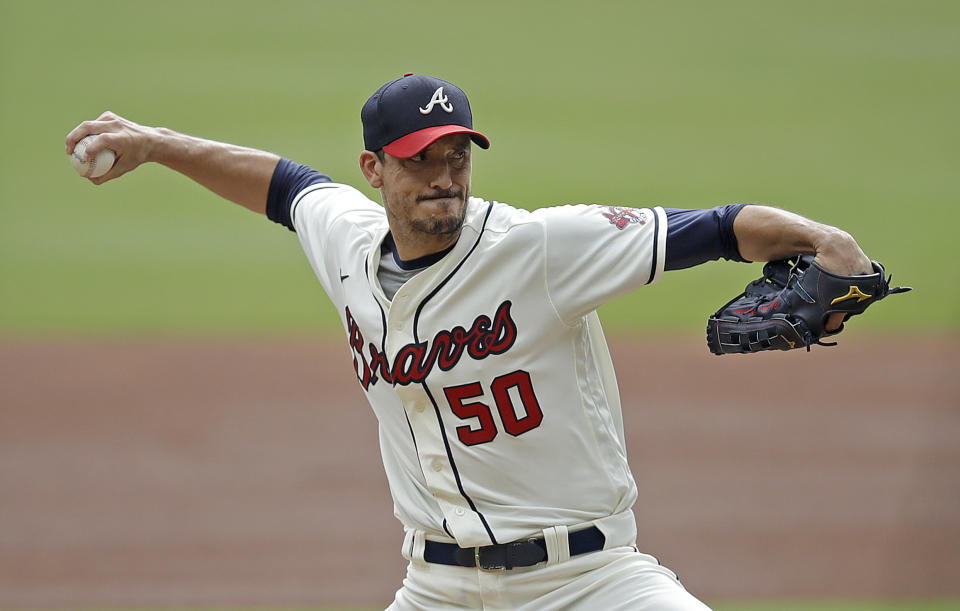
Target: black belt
509	555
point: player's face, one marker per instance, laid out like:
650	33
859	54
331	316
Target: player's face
425	196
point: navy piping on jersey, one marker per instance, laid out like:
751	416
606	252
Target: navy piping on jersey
412	264
436	407
656	237
302	195
288	180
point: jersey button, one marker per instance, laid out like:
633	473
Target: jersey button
437	465
459	511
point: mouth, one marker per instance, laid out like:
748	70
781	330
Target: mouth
445	197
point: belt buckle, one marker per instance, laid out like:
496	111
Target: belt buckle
490	567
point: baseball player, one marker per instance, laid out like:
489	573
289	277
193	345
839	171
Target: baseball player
473	331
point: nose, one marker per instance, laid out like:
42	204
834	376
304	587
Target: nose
443	176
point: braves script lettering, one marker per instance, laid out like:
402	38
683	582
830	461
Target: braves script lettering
414	362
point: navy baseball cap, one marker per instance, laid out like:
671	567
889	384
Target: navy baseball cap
406	115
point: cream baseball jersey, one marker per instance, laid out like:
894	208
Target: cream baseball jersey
488	371
498	409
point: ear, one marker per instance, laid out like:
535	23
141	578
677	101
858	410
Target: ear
372	168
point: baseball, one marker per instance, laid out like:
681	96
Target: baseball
95	168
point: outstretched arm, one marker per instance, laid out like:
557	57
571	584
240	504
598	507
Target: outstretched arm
769	234
239	174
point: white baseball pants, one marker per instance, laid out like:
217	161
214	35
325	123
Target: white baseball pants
617	578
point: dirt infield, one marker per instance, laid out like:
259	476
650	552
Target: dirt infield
247	471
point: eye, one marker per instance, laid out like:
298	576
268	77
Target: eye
417	157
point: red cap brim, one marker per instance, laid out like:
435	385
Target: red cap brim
411	144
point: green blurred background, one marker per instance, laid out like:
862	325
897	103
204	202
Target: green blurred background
844	111
841	111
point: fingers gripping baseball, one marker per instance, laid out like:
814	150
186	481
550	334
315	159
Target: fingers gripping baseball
130	143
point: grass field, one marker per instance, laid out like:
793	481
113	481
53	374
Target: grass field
842	111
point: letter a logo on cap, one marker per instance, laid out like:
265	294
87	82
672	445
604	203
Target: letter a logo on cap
438	98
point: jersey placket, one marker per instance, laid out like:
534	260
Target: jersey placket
426	411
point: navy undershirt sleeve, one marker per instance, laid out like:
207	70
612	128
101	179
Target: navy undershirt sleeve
289	178
698	236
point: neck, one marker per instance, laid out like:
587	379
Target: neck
410	247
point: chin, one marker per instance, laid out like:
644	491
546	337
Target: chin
446	221
443	225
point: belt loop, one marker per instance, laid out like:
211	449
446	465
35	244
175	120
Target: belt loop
618	530
417	544
558	544
407	548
